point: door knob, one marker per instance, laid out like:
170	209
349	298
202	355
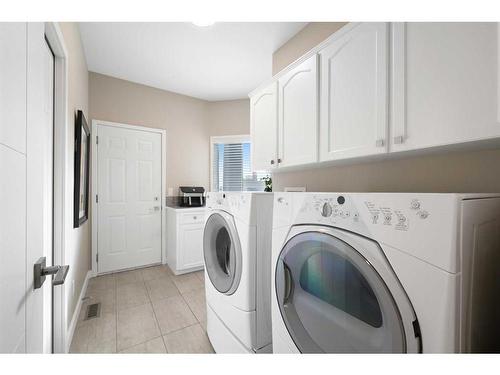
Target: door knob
41	271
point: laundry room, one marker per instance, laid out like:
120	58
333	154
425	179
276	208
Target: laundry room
214	183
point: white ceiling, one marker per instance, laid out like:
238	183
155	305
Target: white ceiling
220	62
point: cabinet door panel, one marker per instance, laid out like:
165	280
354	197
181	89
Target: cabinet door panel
264	127
190	246
298	114
446	73
354	93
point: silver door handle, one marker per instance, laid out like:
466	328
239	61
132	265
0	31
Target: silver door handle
288	283
41	271
399	139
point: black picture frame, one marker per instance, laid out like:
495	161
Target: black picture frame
81	173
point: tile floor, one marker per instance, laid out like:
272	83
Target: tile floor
149	310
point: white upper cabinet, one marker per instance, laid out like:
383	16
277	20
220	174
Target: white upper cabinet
298	114
383	89
264	128
444	84
354	93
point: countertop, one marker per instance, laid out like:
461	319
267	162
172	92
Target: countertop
184	208
174	203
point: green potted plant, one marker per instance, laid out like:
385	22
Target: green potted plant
268	183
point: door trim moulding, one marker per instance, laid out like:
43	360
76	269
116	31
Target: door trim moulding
55	39
93	189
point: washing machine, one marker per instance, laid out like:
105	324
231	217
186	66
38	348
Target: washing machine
385	273
237	253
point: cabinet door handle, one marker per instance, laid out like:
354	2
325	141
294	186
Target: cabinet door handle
279	161
399	140
272	161
194	217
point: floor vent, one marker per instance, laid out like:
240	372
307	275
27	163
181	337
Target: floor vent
93	311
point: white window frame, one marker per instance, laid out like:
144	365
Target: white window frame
225	139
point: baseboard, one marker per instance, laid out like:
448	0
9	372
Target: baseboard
74	320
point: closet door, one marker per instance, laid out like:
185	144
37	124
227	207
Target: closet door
354	93
298	115
14	290
13	85
264	128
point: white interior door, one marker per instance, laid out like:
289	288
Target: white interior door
129	198
26	191
13	187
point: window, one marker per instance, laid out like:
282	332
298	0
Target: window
231	168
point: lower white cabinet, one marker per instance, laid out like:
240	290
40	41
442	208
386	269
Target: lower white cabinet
185	239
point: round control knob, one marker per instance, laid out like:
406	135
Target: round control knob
326	210
423	214
415	204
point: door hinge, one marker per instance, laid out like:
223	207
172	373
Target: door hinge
97	258
96	139
97	198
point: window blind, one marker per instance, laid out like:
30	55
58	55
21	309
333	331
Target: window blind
231	169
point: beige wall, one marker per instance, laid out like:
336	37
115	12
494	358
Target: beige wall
184	119
475	171
311	35
77	247
229	117
189	122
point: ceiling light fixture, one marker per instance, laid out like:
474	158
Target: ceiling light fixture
203	23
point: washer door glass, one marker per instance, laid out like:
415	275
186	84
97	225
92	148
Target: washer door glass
219	251
333	301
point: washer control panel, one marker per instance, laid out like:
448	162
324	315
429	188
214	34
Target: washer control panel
332	207
371	210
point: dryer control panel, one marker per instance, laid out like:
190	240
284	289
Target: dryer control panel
423	225
346	210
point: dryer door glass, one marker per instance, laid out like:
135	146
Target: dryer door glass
219	251
333	301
